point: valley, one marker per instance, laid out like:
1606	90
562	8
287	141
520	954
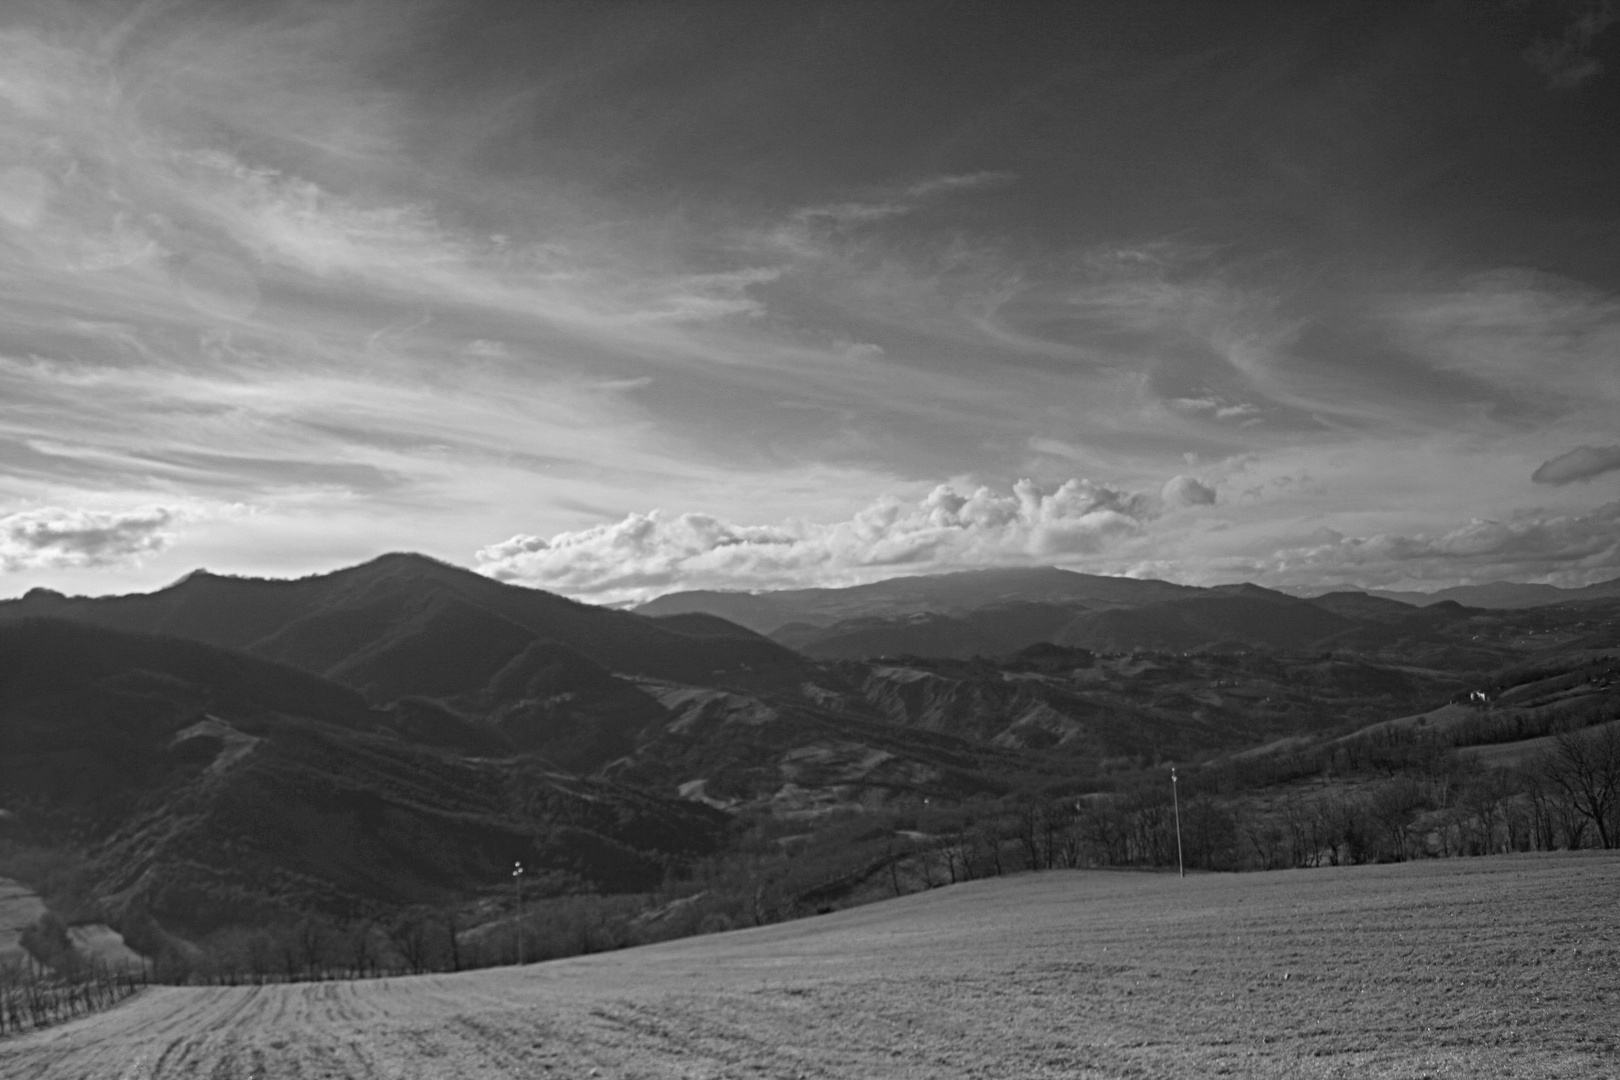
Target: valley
244	779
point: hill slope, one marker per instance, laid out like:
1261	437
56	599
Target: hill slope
213	787
1325	972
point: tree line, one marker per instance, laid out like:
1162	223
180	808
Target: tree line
32	996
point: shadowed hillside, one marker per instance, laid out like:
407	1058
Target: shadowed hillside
213	787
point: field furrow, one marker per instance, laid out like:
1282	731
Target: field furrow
1507	966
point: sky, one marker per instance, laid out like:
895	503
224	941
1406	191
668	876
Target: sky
616	299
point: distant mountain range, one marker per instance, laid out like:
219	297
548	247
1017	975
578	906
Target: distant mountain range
767	612
994	612
1505	594
408	624
399	732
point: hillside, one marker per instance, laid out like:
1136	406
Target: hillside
1491	967
1129	710
393	736
211	787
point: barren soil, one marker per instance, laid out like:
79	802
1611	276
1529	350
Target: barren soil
1499	967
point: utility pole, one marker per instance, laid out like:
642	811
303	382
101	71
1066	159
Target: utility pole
1175	797
517	883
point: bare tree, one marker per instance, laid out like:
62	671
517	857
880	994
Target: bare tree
1394	807
362	947
1028	830
312	942
1053	823
987	837
1584	767
1265	837
951	846
452	940
409	935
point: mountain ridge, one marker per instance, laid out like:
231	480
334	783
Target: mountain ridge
1505	594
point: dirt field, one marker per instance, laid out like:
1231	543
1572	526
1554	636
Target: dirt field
1501	967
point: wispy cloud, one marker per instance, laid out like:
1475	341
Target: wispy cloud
1532	545
1567	61
1546	340
901	200
324	261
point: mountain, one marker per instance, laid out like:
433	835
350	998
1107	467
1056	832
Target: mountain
1224	617
400	732
1242	616
993	630
211	787
899	597
1360	605
407	624
1506	594
1228	616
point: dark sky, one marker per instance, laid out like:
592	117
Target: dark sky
615	298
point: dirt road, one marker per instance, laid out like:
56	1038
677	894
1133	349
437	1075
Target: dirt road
1460	968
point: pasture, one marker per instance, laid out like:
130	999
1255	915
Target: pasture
1500	967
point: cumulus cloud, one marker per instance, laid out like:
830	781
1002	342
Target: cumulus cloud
646	554
1581	463
1531	545
1187	491
55	537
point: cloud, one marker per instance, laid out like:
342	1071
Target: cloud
54	537
646	554
1531	545
1581	463
1187	491
807	230
941	185
1214	406
1568	61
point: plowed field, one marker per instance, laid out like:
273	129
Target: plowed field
1503	967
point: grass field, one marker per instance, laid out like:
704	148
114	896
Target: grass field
1499	967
